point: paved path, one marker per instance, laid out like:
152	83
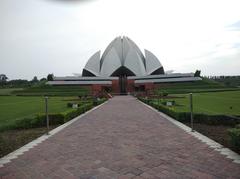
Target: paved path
121	139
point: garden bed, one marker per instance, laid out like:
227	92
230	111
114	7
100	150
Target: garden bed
13	139
218	133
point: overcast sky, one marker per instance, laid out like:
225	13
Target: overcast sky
38	37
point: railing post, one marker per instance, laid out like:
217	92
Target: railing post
46	110
191	110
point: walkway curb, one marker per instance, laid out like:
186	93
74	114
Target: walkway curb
6	159
211	143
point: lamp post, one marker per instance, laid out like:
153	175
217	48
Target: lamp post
46	110
191	110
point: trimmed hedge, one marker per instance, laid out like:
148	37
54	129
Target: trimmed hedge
235	137
70	114
39	120
198	117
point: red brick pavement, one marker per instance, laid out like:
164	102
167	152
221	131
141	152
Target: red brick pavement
121	139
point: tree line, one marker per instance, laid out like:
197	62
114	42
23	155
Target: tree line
5	82
226	80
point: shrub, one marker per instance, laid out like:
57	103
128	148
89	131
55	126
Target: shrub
87	107
69	105
164	103
235	137
164	93
198	117
99	101
23	123
216	119
54	119
38	121
70	114
237	126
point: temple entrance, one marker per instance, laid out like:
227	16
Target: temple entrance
123	84
122	73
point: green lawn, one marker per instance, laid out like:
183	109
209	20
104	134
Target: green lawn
13	107
53	91
8	91
19	125
204	85
211	103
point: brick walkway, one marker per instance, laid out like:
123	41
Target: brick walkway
121	139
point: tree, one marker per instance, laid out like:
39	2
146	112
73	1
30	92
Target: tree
197	73
43	79
35	79
19	83
3	78
50	77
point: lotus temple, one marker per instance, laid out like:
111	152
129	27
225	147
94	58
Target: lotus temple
123	68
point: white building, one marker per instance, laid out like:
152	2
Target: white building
123	68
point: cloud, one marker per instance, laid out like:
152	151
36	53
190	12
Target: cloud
221	65
237	45
72	1
236	24
59	36
234	27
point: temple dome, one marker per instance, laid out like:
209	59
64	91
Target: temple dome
123	57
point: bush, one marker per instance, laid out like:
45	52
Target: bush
165	93
39	120
23	123
54	119
235	137
198	118
99	101
70	114
69	105
237	126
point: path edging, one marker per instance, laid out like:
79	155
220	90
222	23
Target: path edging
211	143
7	158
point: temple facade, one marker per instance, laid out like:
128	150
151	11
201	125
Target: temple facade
122	69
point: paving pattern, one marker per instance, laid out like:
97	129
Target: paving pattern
122	139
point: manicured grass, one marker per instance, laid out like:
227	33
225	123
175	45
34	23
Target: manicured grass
53	91
205	85
8	91
210	103
213	114
14	107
